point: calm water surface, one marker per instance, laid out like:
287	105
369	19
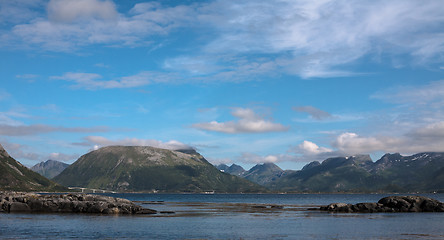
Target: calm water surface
230	216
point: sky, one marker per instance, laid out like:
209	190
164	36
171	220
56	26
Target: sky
242	82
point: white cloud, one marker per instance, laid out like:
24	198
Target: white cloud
249	122
308	151
62	157
67	11
432	132
428	138
99	141
310	148
254	158
217	161
352	143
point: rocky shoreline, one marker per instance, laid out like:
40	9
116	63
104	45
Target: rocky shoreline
389	204
11	202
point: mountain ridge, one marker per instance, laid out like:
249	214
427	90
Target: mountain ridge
147	169
421	172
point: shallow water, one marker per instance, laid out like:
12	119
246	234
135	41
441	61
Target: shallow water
230	216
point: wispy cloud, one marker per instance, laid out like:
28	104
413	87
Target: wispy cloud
93	81
4	95
10	117
19	11
315	113
20	151
26	130
323	35
27	76
414	124
305	38
249	122
70	25
96	142
62	157
432	92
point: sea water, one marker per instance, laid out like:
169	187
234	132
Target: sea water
230	216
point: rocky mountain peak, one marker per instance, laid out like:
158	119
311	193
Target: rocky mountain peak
311	165
265	167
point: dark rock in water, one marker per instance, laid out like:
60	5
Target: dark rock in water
167	212
259	206
68	203
390	204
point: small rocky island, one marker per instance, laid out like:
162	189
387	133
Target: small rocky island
389	204
68	203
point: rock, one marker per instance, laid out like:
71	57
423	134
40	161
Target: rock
66	203
389	204
19	207
259	206
167	212
337	207
146	211
276	207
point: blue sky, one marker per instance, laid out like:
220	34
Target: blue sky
244	82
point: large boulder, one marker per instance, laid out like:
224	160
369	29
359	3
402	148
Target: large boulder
389	204
412	204
67	203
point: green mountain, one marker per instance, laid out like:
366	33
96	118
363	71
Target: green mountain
145	169
50	168
423	172
16	177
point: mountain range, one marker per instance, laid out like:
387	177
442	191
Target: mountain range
422	172
263	174
147	169
16	177
50	168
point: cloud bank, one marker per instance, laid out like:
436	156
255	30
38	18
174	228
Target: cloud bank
248	122
98	141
